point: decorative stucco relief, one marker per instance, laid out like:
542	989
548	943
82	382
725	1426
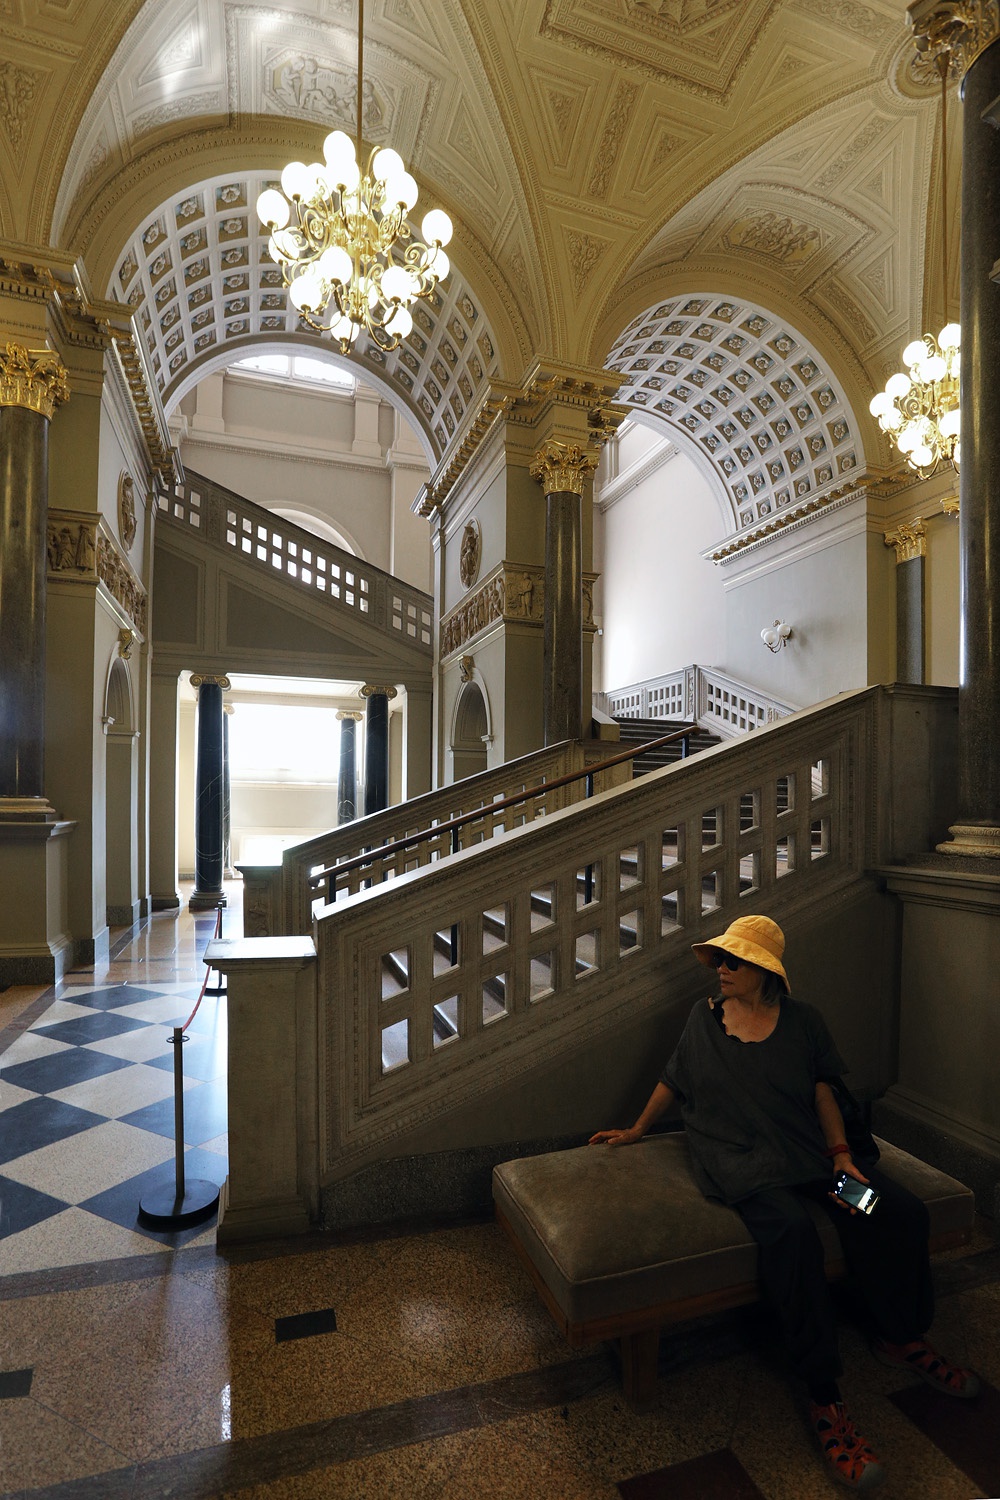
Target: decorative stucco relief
515	593
80	546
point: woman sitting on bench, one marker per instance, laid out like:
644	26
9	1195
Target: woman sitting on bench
756	1075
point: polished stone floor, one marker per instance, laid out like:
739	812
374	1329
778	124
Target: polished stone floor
141	1363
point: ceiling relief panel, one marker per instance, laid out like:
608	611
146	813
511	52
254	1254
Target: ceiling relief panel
699	44
851	246
199	279
750	393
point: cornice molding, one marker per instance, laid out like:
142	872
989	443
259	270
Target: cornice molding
617	488
791	519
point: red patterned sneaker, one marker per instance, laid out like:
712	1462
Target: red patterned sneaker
848	1455
924	1361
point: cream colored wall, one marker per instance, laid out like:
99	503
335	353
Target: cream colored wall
261	807
283	443
941	603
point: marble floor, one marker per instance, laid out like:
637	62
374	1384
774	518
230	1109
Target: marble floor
139	1362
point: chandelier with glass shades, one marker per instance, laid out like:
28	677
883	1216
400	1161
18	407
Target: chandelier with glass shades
342	239
919	409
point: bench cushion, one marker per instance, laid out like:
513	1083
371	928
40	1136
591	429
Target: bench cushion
612	1231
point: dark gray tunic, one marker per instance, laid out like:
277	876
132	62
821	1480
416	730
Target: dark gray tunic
749	1108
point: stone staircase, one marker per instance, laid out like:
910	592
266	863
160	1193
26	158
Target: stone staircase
639	731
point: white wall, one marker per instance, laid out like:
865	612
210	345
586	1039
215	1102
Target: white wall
659	603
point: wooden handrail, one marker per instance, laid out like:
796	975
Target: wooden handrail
321	877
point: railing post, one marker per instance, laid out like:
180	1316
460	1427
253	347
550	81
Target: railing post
273	1183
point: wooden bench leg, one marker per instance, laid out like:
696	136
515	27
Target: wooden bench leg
640	1353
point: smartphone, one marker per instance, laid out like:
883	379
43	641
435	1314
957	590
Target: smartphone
857	1194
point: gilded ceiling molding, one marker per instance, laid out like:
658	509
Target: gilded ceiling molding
796	516
909	539
34	379
960	30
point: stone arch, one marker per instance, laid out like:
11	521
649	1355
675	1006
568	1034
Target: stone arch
197	274
744	391
121	795
471	729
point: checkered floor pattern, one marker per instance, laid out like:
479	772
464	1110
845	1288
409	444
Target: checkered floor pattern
87	1117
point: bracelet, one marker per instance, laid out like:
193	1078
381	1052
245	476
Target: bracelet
836	1150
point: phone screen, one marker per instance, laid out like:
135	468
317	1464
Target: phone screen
858	1194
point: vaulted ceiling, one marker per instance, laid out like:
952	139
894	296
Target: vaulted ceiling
598	157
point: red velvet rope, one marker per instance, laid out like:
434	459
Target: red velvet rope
208	970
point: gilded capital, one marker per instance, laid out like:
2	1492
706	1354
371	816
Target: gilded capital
32	378
958	30
371	688
562	467
210	679
950	507
349	713
909	540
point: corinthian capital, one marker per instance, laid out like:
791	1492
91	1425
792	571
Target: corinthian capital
956	30
561	467
33	378
909	540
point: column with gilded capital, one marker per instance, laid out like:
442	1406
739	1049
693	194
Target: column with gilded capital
910	543
32	384
347	781
969	35
561	469
209	804
377	745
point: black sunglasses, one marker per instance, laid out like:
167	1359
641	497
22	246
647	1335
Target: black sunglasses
717	958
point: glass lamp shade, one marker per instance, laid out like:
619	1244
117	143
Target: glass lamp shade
296	181
440	264
880	404
914	353
770	636
336	265
436	227
338	150
898	385
387	165
395	284
401	189
273	209
306	291
951	423
950	336
400	324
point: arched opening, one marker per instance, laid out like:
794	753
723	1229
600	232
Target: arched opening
468	745
121	850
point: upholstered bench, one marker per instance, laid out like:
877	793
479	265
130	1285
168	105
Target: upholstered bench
620	1243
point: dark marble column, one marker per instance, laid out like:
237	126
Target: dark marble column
910	542
561	469
347	781
32	383
377	746
975	53
209	781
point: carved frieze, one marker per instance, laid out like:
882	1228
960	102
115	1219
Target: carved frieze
776	236
118	578
80	547
514	593
32	378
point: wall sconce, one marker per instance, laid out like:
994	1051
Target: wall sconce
775	636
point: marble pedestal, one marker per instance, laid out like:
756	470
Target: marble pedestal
35	943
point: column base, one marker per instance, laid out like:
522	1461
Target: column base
37	947
273	1219
164	903
973	840
207	900
27	810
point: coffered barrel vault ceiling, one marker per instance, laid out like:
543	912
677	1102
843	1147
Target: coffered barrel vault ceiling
199	278
748	393
599	157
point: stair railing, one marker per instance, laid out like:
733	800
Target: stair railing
372	866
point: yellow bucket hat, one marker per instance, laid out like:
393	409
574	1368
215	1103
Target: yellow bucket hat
757	940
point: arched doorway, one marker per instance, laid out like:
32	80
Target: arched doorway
121	854
470	734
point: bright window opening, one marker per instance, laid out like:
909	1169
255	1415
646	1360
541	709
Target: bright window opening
300	367
284	743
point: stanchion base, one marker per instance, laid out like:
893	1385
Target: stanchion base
163	1205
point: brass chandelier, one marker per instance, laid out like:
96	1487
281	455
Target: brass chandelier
343	242
919	409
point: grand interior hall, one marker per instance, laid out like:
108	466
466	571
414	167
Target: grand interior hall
339	592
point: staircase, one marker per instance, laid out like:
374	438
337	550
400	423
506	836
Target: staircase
638	731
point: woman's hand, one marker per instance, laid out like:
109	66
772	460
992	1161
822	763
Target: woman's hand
844	1162
616	1137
